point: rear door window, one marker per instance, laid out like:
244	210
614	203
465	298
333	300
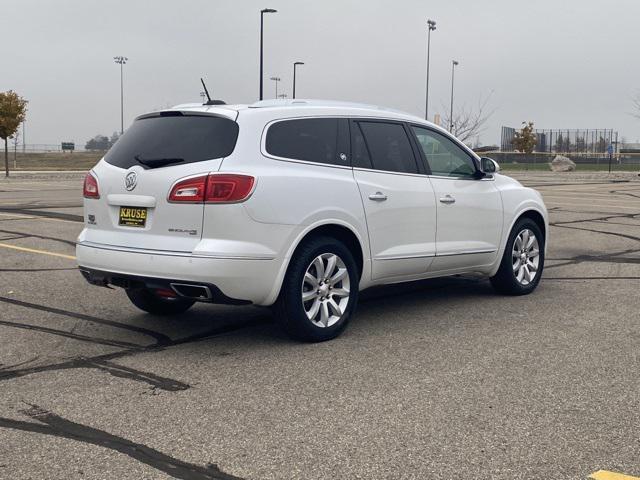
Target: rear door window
308	139
388	146
191	138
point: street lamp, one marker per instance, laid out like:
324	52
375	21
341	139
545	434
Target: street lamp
262	12
275	79
431	26
121	60
295	64
454	63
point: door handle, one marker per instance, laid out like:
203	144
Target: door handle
448	199
378	197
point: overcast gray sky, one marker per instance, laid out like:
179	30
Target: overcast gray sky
562	64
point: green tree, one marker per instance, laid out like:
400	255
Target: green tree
114	138
99	142
525	140
13	110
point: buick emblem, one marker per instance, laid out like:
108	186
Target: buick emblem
130	181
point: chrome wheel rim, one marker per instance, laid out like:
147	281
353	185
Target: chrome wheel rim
526	257
325	290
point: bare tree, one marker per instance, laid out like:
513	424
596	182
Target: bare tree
636	105
16	140
469	122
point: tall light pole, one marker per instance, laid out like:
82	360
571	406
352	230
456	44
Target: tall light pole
262	12
275	79
295	64
431	26
24	144
454	63
121	60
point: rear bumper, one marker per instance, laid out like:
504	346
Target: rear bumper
229	280
201	292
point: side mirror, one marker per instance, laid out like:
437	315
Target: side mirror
489	165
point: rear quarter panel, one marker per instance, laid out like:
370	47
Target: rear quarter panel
291	197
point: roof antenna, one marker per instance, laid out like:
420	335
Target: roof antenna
209	101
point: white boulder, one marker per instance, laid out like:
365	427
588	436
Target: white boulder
562	164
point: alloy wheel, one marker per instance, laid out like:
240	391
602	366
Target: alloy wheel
326	290
525	257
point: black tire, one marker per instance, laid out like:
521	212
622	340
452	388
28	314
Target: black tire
289	308
505	280
146	300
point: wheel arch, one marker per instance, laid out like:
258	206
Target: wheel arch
537	218
335	229
532	212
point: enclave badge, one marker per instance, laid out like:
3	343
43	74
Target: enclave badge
130	181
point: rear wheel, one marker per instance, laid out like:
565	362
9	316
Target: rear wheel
523	260
320	291
148	301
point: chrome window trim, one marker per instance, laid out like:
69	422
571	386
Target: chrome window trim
389	172
265	131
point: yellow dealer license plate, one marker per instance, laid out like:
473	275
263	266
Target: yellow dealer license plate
132	216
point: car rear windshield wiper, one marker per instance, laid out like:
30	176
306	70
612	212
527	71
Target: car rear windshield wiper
157	162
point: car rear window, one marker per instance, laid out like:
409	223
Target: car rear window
192	138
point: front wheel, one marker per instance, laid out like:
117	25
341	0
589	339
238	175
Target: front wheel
523	260
148	301
319	292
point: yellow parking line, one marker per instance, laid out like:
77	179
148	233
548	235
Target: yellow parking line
33	250
606	475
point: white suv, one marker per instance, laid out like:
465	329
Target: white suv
301	205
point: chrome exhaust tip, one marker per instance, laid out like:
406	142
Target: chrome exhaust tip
200	293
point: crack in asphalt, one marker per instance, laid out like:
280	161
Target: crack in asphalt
160	338
597	219
54	425
74	336
37	213
103	362
42	237
624	192
17	270
15	237
591	278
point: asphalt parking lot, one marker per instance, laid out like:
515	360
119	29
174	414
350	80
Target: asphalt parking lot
433	380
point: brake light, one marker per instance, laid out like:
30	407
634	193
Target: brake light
90	187
228	188
213	188
189	190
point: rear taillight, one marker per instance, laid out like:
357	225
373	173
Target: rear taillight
213	188
90	188
189	190
224	187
